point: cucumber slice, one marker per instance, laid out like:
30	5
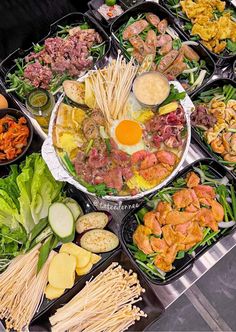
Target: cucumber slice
62	222
74	207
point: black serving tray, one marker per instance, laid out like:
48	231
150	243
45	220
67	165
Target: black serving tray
162	13
87	207
220	60
150	304
8	64
217	82
181	265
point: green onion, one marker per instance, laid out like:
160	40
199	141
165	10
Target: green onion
70	167
89	146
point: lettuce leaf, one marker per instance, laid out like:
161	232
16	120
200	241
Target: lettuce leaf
44	190
9	215
10	186
24	180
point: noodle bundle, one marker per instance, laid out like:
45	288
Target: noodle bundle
21	289
104	304
112	86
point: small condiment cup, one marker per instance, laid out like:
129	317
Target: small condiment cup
134	88
40	104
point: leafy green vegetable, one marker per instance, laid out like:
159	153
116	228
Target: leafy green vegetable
108	145
174	95
188	26
44	253
231	46
70	167
176	44
100	189
89	146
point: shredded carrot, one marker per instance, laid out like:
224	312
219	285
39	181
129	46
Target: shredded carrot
13	137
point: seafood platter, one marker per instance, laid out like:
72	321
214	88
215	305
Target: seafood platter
121	106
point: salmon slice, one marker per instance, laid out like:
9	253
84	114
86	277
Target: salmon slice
194	235
177	217
204	191
141	239
164	261
149	161
185	197
166	157
158	245
134	29
157	172
206	219
192	180
171	236
167	60
151	221
183	228
163	208
153	19
217	210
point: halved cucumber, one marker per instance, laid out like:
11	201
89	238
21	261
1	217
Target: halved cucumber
62	222
75	208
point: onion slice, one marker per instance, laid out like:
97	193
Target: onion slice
190	42
226	224
224	181
172	33
188	71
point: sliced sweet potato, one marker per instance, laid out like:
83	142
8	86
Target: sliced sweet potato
52	292
83	257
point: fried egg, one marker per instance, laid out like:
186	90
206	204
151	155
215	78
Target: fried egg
127	134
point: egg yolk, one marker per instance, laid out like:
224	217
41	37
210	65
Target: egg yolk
128	132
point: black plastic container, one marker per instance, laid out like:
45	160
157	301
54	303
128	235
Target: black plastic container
220	60
8	64
150	304
162	13
35	143
17	114
181	265
95	4
216	83
87	207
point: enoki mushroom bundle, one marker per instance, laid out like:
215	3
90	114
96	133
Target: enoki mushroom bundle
112	86
105	304
21	289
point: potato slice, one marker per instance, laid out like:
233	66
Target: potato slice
61	272
52	292
91	220
95	258
83	256
89	97
99	240
75	91
84	270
